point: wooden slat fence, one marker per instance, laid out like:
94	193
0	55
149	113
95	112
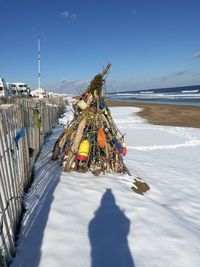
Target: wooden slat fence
23	127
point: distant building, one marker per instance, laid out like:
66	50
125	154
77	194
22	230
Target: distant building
40	93
4	90
20	89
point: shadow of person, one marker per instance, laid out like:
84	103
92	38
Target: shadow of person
108	232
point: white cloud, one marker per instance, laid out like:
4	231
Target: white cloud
65	14
69	16
196	54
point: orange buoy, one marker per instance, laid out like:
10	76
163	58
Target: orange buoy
101	138
124	150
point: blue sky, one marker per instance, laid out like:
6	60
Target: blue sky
150	43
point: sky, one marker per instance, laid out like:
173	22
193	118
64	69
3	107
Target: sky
150	43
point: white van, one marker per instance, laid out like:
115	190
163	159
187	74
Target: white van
4	91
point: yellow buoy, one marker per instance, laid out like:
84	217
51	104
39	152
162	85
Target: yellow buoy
84	148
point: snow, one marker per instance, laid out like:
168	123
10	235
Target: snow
80	220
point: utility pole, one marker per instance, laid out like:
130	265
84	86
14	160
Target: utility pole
39	57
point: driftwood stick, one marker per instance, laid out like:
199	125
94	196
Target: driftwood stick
75	145
106	69
78	136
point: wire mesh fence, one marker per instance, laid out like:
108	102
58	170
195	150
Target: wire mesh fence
23	126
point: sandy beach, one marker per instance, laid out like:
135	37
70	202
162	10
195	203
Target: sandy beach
162	114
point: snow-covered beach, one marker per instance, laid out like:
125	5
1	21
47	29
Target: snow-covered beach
82	220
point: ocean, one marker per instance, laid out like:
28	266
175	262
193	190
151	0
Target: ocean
187	95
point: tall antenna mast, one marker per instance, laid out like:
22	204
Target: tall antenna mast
39	74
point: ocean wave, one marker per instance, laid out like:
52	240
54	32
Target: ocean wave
156	96
145	92
125	94
168	96
190	91
183	95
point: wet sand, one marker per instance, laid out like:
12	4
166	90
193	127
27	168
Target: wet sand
162	114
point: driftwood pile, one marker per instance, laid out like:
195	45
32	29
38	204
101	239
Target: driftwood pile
92	140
